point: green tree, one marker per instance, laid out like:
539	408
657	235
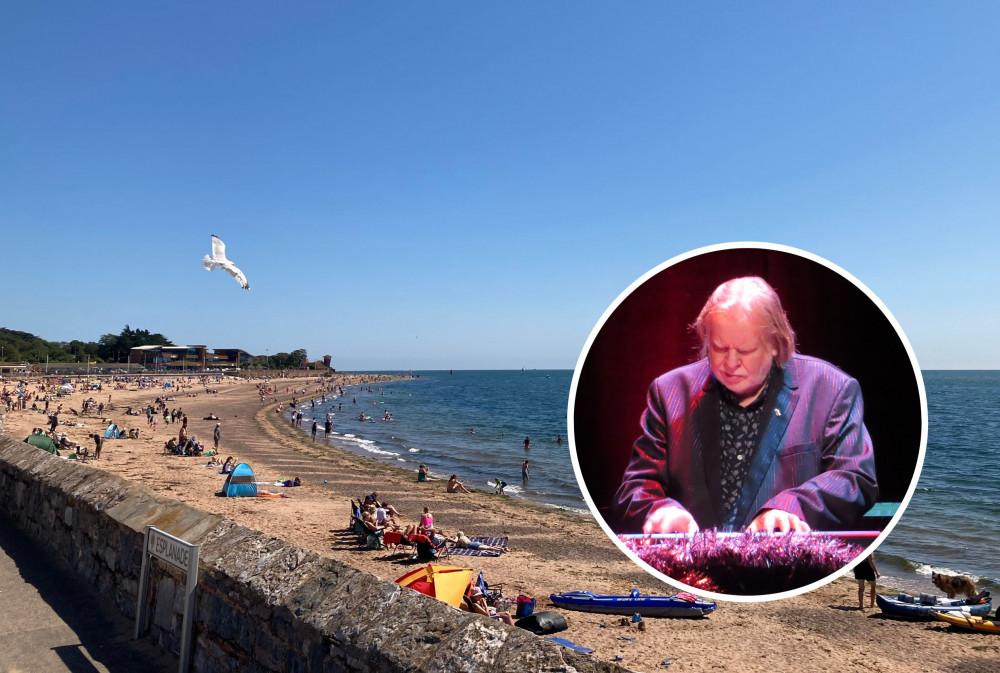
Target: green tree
116	347
293	360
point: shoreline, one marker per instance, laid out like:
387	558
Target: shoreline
406	466
550	552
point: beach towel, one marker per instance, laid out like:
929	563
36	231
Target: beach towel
492	541
571	645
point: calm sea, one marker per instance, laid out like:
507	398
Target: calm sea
434	413
952	524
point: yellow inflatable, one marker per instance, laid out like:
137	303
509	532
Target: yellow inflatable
969	622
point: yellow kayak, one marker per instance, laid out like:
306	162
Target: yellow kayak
969	622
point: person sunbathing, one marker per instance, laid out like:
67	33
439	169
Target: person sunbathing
476	603
385	514
213	461
455	486
427	548
463	542
211	417
368	519
426	522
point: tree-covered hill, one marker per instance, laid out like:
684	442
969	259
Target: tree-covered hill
18	346
23	346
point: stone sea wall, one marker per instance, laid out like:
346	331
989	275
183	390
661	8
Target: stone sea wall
262	604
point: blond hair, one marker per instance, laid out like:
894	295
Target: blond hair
752	296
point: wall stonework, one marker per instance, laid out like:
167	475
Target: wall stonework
262	604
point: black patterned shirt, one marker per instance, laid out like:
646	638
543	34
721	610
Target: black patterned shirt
741	429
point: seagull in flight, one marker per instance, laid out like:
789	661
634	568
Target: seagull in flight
218	260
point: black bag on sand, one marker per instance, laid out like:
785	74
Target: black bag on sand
543	623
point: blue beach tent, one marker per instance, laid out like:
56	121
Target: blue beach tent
112	432
240	482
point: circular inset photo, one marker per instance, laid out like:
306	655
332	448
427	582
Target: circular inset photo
747	421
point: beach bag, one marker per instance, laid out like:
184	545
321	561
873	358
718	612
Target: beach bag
543	623
525	606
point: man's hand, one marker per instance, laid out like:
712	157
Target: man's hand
670	520
771	520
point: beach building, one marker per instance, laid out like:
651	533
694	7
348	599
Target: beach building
188	357
10	368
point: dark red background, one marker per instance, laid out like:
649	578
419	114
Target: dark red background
648	334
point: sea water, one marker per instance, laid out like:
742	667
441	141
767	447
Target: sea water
952	523
469	423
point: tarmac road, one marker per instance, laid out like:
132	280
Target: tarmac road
52	621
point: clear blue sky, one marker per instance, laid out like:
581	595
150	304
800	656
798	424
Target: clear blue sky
470	185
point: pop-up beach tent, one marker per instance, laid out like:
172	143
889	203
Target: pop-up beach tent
42	442
240	482
445	583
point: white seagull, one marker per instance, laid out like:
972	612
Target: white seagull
218	260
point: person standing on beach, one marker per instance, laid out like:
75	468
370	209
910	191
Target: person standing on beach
752	436
98	443
866	572
315	427
217	436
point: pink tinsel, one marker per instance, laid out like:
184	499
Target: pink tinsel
748	564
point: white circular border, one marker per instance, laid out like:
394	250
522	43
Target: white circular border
571	434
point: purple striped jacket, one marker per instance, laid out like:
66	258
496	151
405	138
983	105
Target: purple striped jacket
815	458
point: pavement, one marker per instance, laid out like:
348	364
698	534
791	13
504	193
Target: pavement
50	620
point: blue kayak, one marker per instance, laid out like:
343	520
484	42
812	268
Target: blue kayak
925	605
647	606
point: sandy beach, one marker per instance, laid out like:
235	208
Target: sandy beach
549	552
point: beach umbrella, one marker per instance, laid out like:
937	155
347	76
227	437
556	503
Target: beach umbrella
67	387
445	583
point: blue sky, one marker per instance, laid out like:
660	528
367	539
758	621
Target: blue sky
446	185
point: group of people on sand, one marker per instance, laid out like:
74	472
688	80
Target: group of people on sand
382	516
